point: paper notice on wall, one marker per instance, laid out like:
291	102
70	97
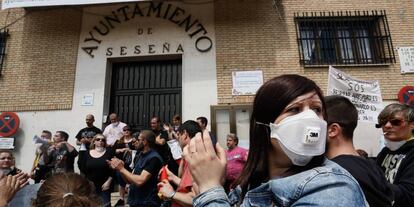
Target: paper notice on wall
365	95
175	149
246	82
6	143
87	99
406	55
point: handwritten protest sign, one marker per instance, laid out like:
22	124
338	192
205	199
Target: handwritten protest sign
365	95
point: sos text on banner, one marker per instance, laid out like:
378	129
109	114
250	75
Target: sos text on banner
365	95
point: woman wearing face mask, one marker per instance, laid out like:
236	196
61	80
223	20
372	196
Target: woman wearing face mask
285	165
97	170
396	159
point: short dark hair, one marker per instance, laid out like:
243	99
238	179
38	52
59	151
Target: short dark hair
64	135
150	137
47	132
362	153
203	120
135	135
340	110
156	118
177	117
191	127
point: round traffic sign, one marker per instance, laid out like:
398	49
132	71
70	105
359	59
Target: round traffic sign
9	124
406	95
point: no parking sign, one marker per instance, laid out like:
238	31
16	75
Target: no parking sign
406	95
9	124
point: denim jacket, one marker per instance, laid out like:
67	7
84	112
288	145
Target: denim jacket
328	185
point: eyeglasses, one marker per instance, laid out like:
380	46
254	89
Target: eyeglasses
394	122
100	140
127	130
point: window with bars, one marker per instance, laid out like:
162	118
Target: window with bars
4	33
344	38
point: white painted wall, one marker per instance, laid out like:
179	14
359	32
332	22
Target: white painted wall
199	86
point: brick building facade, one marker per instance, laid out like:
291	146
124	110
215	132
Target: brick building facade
45	67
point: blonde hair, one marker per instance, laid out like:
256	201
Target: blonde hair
97	136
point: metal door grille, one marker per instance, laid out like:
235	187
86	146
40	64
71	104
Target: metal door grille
141	90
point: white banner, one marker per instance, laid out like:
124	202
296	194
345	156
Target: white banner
246	82
406	55
33	3
365	95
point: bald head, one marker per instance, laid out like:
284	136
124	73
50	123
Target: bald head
89	120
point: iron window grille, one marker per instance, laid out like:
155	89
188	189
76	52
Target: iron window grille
344	38
4	33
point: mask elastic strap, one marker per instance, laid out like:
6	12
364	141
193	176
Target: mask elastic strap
267	127
260	123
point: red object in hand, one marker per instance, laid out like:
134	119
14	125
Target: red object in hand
164	174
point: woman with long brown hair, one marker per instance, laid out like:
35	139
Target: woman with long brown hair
285	165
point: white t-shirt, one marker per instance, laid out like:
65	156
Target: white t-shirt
113	132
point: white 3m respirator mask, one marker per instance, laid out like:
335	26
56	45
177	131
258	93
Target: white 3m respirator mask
301	136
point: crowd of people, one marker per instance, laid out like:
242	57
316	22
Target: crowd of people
301	153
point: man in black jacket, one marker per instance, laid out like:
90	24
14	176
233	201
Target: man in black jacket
342	121
397	157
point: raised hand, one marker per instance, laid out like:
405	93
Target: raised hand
10	185
116	164
206	165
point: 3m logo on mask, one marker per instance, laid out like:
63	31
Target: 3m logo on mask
312	135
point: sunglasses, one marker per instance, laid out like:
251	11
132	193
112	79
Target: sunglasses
99	140
125	130
394	122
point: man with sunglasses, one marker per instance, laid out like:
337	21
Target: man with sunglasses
397	157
